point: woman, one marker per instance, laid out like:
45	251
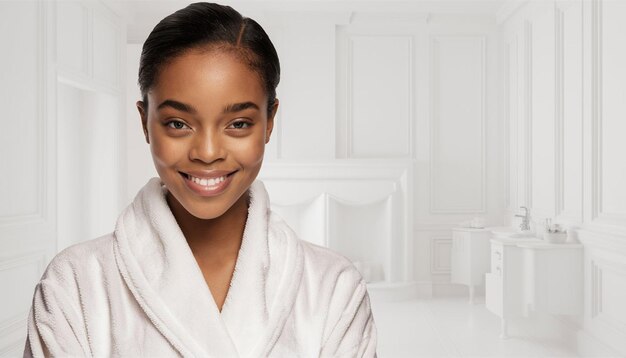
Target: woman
198	265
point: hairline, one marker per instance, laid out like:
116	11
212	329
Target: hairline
243	54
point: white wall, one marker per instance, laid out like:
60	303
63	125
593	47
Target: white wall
60	128
564	84
27	180
87	173
137	167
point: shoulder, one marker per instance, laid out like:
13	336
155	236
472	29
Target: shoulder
80	259
328	262
328	274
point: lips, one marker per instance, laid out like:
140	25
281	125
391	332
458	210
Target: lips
207	183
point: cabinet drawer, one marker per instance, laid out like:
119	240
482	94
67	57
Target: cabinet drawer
497	253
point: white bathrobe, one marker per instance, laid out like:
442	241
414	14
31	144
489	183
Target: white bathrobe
139	292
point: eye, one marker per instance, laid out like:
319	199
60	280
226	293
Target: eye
176	124
240	124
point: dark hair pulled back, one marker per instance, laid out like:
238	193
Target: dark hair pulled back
205	24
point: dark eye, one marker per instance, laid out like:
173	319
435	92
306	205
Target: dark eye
240	124
176	124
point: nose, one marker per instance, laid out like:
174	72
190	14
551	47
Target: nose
206	147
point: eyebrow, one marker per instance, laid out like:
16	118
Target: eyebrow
178	106
231	108
238	107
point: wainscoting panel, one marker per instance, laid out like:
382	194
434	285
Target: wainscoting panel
379	120
20	274
106	37
23	163
609	301
306	45
458	125
605	291
73	37
569	134
542	97
441	248
28	180
608	120
512	120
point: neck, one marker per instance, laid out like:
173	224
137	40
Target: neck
217	239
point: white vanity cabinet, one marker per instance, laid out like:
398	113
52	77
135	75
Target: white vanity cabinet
530	275
503	285
470	257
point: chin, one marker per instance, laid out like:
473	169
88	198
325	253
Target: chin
206	214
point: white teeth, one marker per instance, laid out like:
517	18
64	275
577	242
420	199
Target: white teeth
207	182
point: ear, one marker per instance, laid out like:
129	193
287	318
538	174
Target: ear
270	121
144	119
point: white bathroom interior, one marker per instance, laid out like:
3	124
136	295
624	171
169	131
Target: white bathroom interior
467	156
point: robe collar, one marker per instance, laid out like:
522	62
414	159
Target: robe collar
161	272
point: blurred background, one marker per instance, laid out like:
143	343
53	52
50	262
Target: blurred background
440	145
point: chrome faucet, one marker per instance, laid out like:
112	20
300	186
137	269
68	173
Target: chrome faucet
525	225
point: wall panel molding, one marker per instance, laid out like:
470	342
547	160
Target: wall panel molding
13	322
605	287
601	268
599	214
440	246
512	120
73	26
12	333
543	110
596	61
507	123
569	124
527	100
436	82
607	315
351	139
37	215
559	184
13	261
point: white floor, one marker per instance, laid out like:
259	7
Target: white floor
451	327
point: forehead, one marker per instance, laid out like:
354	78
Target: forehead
209	79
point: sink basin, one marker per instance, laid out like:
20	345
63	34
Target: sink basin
510	233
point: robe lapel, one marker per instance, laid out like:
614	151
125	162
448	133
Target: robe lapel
263	286
161	272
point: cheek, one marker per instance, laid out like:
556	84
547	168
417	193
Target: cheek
165	151
251	153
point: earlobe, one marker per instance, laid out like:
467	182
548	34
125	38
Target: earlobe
144	120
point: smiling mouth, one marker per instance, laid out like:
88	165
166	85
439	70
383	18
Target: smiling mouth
206	181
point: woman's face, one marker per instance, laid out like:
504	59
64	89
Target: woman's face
207	124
